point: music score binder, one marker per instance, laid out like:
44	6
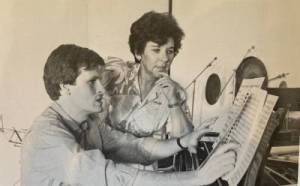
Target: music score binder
245	123
229	125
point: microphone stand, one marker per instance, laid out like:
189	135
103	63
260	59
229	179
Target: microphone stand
193	82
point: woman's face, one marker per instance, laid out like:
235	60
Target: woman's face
156	59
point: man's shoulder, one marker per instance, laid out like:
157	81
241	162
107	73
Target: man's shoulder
47	119
47	125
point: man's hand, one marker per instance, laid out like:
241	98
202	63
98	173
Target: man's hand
191	140
219	164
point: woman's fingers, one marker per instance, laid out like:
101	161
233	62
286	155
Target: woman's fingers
163	74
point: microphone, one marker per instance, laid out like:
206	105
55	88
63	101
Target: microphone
249	51
283	75
212	61
198	75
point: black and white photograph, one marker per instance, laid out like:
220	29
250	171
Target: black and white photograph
149	93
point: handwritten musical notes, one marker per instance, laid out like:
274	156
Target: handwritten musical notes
15	136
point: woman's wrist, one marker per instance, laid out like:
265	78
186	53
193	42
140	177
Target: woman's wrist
179	143
183	142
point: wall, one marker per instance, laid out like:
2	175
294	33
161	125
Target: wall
31	29
227	29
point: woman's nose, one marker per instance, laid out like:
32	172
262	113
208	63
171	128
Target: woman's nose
164	56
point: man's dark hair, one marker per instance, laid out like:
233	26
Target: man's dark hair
63	64
155	27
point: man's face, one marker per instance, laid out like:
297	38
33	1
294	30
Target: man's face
157	59
88	93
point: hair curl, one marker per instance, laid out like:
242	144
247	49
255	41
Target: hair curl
63	64
155	27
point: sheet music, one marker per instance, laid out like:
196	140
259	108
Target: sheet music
246	87
245	124
249	116
255	82
249	130
225	122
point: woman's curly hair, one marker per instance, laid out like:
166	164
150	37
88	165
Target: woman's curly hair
155	27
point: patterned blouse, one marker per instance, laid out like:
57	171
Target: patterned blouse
148	117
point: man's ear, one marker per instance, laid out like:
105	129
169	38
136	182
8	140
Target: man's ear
64	89
137	56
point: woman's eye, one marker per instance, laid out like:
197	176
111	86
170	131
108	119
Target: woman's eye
170	51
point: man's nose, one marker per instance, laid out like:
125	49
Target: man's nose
99	87
101	91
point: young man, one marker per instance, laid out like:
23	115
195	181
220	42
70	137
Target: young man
69	142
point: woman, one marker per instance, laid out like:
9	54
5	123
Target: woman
145	100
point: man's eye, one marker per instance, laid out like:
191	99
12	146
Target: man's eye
91	82
156	50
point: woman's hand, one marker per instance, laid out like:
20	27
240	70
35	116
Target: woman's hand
174	93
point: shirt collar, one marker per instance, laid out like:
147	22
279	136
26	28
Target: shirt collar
135	74
70	122
154	92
